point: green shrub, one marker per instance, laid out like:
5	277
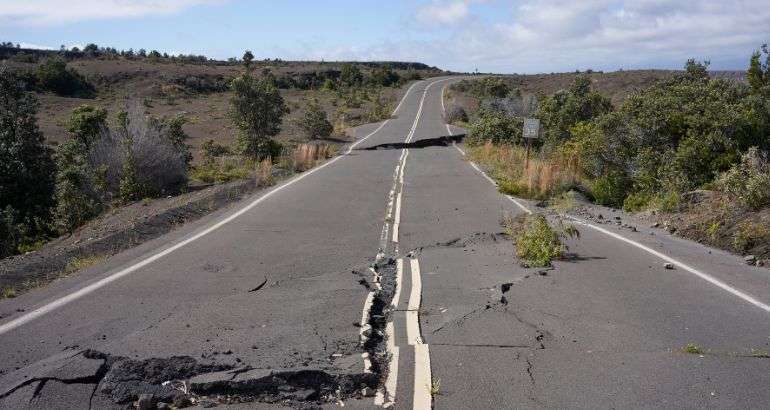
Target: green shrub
315	123
538	244
667	202
560	112
748	182
748	235
384	76
456	114
86	123
223	169
495	127
487	87
53	75
380	109
610	189
351	75
212	149
638	201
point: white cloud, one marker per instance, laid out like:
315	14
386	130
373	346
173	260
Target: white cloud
50	12
439	12
44	47
559	35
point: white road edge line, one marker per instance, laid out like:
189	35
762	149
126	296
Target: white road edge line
51	306
705	276
708	278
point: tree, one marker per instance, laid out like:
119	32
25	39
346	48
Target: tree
315	122
91	50
77	196
257	109
173	131
566	108
86	122
350	75
758	74
26	166
385	76
248	57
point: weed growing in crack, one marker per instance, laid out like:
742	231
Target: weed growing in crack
537	243
435	386
692	348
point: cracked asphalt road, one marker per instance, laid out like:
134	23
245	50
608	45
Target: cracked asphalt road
269	306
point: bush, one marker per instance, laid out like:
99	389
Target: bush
456	114
26	168
610	189
483	88
385	77
537	243
223	169
86	123
351	75
495	127
77	196
53	75
563	110
380	109
315	123
748	235
139	160
212	149
748	182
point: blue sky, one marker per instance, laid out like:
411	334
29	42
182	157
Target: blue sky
491	35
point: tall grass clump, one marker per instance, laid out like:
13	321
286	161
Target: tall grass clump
545	176
307	156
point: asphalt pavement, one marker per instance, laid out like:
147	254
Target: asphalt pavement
383	278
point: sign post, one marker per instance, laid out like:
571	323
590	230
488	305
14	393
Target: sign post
531	131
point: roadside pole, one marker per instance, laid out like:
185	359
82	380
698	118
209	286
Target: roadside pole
530	132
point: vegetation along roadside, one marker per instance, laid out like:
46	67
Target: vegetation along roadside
688	150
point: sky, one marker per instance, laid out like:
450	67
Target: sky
503	36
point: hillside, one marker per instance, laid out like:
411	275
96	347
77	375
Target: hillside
199	89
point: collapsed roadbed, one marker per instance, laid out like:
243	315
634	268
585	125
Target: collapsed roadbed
106	381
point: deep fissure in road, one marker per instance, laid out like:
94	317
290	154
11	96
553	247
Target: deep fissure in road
443	141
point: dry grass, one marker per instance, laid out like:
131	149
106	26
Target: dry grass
307	156
265	172
80	263
545	176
